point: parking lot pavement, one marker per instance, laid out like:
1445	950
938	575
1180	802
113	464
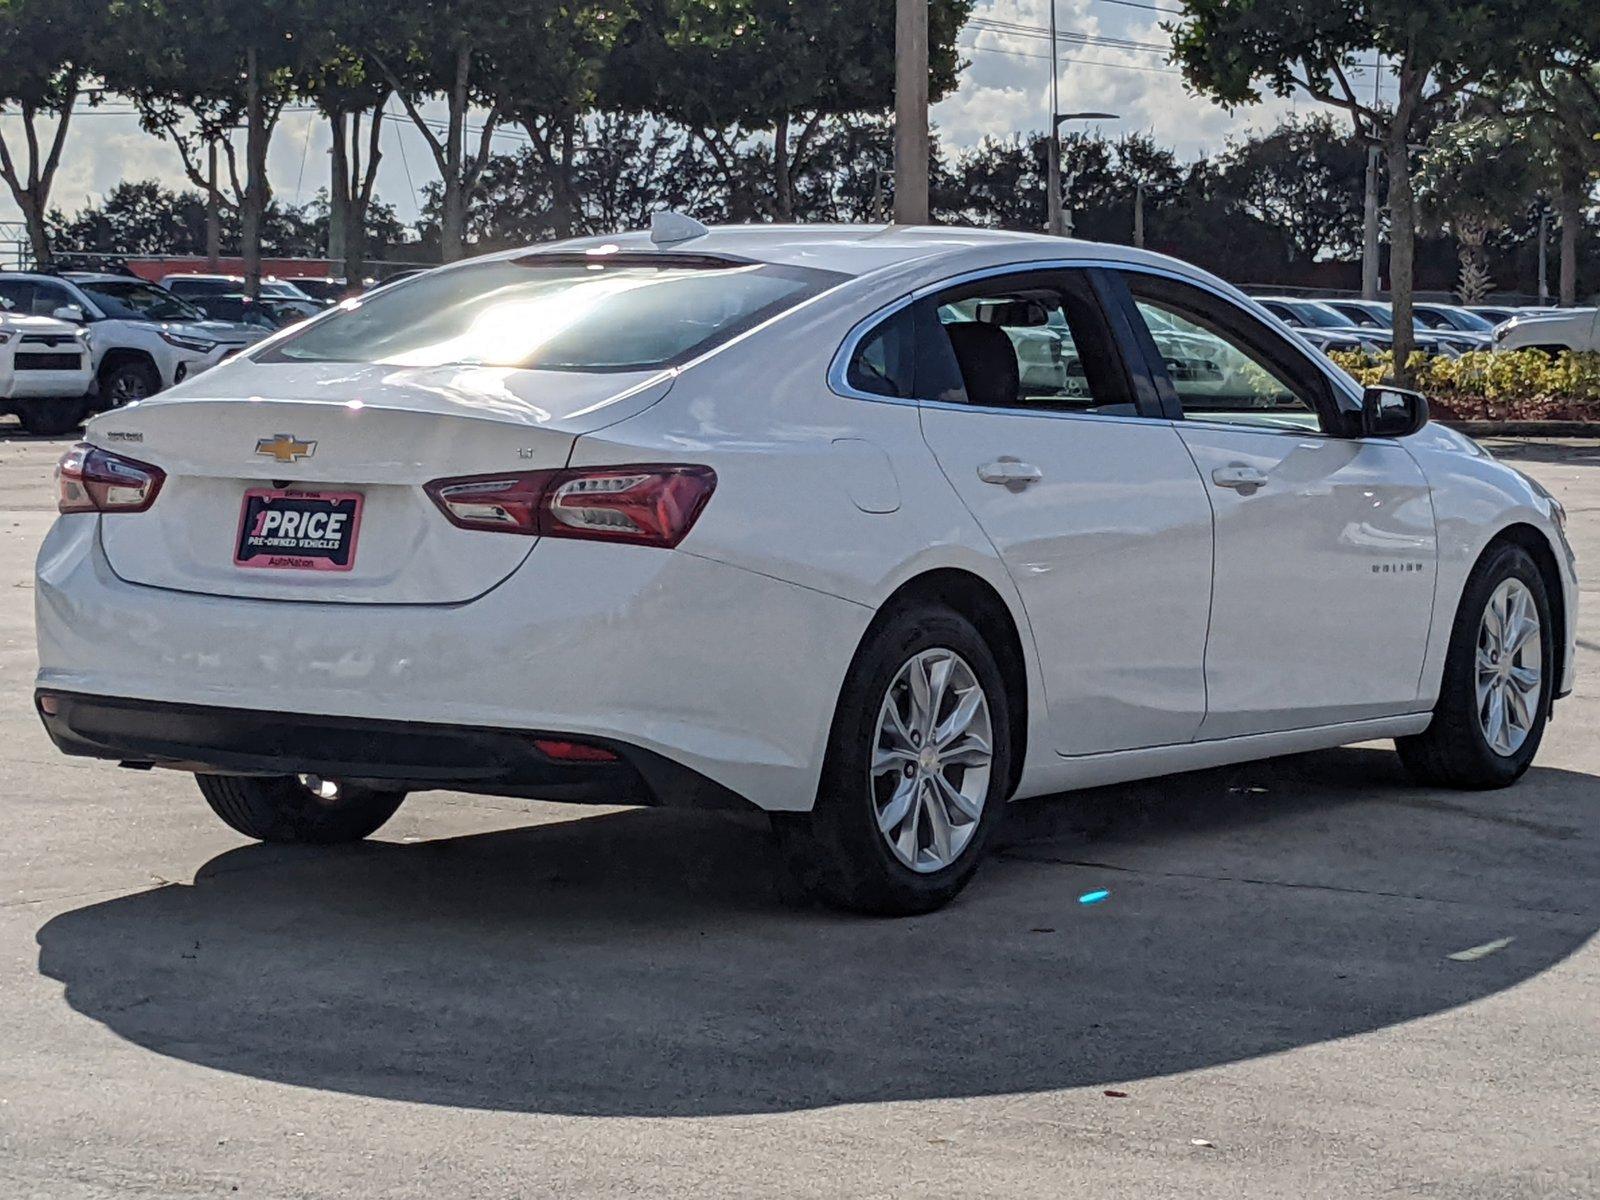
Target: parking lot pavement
504	999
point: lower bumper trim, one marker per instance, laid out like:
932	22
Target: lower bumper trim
402	755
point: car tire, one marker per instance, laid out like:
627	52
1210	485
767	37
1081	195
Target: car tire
128	382
1486	673
50	418
850	851
293	808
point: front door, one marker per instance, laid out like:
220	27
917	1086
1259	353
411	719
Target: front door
1325	544
1090	498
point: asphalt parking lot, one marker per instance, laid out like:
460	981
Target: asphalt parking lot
505	999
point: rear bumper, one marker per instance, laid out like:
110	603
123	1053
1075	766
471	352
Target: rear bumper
411	755
729	674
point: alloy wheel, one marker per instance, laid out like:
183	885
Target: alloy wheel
1510	667
931	760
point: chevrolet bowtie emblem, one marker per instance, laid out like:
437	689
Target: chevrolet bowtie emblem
286	449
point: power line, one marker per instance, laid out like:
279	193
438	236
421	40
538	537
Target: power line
1088	62
1177	12
1068	36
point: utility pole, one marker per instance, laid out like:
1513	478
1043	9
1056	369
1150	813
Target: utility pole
911	112
1138	213
1369	232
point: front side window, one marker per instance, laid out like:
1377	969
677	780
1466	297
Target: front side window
557	312
131	300
1223	364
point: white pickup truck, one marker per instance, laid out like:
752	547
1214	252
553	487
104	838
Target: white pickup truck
46	372
1564	329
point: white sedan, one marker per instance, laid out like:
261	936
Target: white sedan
771	517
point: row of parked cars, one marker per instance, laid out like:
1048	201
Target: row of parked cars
77	342
1444	329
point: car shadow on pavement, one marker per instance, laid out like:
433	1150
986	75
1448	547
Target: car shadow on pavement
650	962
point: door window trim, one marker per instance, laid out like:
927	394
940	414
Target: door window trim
1345	394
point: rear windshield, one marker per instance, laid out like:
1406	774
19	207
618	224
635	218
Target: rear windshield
556	312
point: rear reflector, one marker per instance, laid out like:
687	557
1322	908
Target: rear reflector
649	505
89	479
573	751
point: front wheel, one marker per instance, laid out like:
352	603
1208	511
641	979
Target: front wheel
128	383
916	773
297	808
1494	699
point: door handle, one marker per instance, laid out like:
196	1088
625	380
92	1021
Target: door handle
1240	478
1010	472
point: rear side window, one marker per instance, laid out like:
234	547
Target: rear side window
884	363
557	312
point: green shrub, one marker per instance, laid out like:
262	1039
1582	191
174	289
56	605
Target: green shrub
1517	384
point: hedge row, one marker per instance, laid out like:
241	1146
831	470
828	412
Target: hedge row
1519	385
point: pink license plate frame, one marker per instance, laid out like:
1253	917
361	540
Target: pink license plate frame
285	530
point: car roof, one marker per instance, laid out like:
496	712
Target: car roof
858	250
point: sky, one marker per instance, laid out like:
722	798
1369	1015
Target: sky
1004	90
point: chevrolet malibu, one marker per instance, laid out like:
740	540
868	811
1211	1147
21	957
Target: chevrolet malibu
774	517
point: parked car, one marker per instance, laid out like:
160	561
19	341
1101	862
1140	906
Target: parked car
144	338
1370	314
1497	314
324	290
192	286
266	314
1564	329
1448	318
767	518
1325	328
46	372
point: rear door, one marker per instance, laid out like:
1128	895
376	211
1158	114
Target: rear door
1325	543
1090	499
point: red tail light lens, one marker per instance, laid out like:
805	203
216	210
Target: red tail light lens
89	479
649	505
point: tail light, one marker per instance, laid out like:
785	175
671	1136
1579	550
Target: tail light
89	479
650	505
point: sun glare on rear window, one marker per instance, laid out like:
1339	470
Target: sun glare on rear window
604	313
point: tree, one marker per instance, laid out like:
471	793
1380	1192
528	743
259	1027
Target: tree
44	48
425	48
1560	112
1304	177
1475	176
350	90
1232	49
779	67
194	67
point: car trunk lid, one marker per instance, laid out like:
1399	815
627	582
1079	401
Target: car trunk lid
288	432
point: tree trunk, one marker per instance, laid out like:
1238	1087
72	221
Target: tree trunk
339	196
567	208
1569	203
1402	251
783	185
453	214
255	194
38	232
213	210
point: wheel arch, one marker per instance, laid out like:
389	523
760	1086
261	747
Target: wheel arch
1533	540
120	356
976	599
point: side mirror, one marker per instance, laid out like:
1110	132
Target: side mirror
1391	412
69	312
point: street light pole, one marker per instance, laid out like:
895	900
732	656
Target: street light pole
1544	255
1053	222
911	112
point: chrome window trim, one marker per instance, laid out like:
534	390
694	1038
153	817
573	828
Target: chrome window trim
838	368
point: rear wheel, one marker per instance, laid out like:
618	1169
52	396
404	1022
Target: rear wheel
1494	699
298	808
50	418
916	774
